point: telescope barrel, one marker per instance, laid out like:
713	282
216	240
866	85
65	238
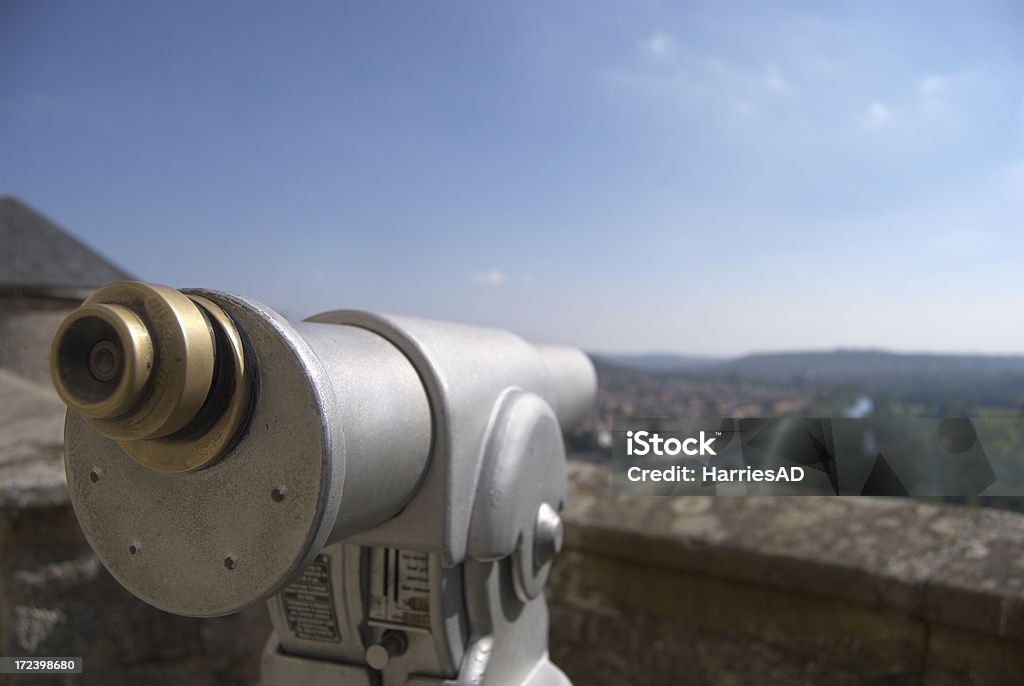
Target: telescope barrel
213	448
573	382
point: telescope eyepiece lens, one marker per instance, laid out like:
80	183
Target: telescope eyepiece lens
100	360
105	361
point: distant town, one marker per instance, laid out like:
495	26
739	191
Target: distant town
841	383
630	392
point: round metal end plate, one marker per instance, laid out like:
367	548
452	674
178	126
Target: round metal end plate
210	542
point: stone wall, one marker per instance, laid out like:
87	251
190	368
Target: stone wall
787	591
648	591
27	325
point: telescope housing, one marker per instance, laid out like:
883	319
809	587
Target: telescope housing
217	453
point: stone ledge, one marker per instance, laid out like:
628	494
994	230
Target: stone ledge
669	626
31	445
960	567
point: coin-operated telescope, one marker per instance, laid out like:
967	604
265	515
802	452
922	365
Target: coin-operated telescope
389	485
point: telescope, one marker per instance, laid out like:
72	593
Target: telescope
389	486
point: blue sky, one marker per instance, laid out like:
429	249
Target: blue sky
704	178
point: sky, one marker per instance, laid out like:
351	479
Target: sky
701	178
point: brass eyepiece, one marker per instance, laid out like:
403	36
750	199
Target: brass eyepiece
158	371
101	360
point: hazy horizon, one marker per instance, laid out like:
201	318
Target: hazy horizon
689	177
794	351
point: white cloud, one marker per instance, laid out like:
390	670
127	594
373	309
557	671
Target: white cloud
490	277
932	86
658	45
876	115
774	80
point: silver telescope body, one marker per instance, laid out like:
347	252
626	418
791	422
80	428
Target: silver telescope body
391	484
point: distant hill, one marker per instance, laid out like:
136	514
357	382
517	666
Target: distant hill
854	365
835	365
657	362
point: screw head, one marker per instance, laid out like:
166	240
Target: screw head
548	535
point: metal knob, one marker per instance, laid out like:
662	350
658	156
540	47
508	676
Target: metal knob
392	644
548	536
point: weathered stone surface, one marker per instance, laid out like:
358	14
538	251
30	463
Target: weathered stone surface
875	551
970	659
27	325
31	444
785	590
982	587
870	641
642	649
